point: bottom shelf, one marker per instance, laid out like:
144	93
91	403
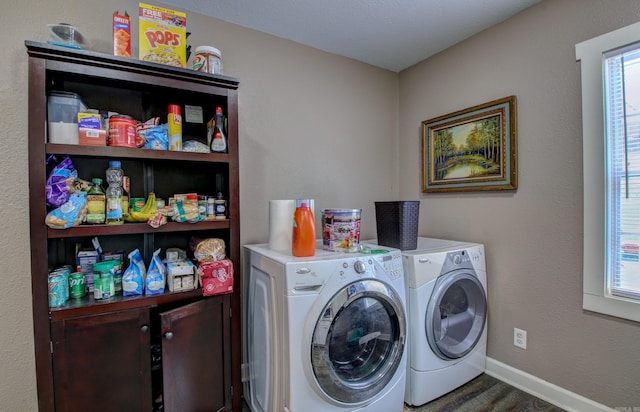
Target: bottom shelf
87	305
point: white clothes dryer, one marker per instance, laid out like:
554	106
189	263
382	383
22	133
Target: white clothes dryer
447	309
326	332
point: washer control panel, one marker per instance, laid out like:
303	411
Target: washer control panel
391	263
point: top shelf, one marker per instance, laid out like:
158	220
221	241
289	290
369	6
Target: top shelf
108	61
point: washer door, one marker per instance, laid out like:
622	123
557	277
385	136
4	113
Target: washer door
358	341
456	315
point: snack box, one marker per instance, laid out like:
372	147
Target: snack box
84	264
162	35
216	277
181	275
121	34
90	129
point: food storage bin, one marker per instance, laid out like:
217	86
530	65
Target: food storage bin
62	114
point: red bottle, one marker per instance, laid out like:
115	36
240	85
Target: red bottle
304	232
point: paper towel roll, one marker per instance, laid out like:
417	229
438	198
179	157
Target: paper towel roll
281	224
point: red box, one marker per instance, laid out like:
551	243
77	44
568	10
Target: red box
121	35
216	277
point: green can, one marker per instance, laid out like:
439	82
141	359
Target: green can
77	285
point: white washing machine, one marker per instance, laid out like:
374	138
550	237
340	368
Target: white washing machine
326	332
447	310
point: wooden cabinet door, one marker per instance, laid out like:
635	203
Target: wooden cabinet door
196	356
101	362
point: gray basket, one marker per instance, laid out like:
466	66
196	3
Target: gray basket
397	224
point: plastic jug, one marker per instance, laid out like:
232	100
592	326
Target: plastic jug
304	231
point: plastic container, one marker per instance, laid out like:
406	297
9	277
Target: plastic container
64	34
207	59
303	241
122	131
397	224
341	229
62	115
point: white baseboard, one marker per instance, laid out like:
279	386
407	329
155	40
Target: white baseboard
544	390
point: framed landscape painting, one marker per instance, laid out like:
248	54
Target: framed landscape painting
471	149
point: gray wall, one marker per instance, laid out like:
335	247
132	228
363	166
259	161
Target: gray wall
347	134
533	236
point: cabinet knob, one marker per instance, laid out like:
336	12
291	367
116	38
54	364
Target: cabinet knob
168	335
144	328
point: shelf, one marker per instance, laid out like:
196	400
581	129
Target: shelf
133	153
88	306
95	61
134	228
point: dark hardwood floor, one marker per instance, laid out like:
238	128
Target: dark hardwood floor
483	394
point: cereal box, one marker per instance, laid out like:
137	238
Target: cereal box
121	35
163	35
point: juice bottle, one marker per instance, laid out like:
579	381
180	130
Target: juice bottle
96	202
304	232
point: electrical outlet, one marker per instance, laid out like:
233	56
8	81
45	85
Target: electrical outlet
520	338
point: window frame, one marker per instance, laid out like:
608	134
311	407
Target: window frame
591	54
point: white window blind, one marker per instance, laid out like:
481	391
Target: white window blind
622	126
610	82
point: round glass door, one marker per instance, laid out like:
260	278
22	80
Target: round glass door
456	314
358	341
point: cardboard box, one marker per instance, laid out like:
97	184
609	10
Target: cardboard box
121	35
216	277
91	131
84	264
181	276
162	35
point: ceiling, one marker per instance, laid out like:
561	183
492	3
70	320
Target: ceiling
391	34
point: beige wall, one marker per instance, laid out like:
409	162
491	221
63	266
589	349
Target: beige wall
533	236
317	125
311	125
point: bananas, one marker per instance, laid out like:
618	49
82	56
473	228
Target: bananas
148	211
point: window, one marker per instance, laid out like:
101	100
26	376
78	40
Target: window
610	66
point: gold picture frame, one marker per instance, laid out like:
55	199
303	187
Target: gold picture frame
474	149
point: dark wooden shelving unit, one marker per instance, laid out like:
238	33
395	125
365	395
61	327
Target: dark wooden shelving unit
74	340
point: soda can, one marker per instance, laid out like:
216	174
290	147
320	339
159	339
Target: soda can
57	293
65	271
77	285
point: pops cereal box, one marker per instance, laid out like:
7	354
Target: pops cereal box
162	36
121	34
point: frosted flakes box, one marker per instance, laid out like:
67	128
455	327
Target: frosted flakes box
163	35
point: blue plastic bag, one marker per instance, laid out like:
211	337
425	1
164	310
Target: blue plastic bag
133	278
156	275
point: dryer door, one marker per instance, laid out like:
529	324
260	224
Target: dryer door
358	341
456	314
